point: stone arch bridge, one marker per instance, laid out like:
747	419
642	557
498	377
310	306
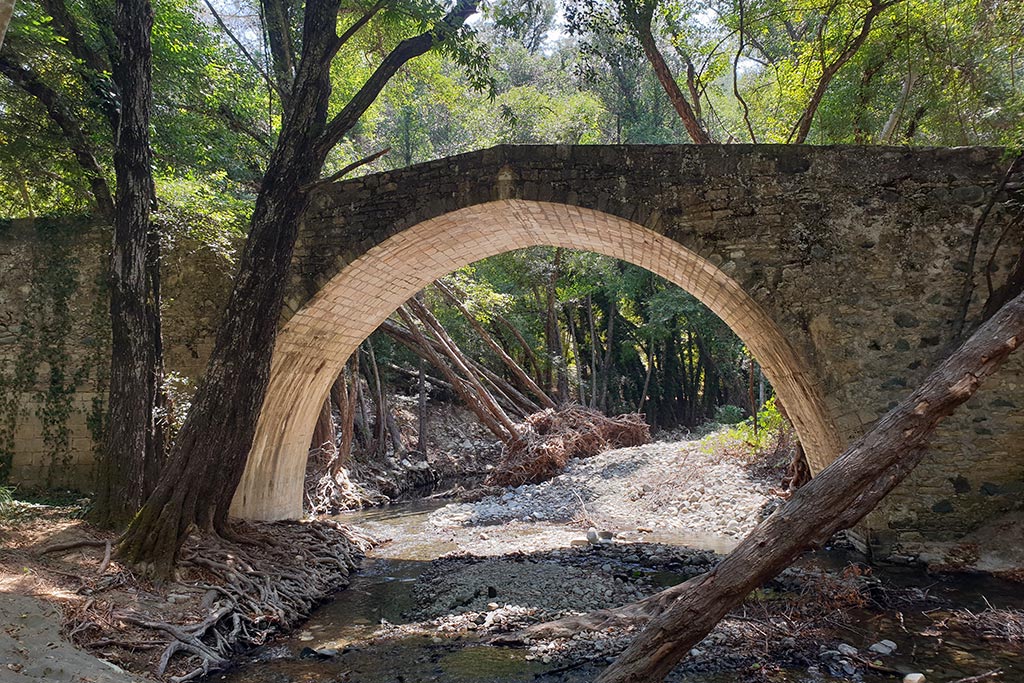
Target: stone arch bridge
841	268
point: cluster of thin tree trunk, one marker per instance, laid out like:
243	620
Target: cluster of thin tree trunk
590	354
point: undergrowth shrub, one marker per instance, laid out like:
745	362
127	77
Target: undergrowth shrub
771	441
729	415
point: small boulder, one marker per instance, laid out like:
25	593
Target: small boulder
914	678
884	647
847	649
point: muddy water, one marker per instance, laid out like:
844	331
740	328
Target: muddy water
382	592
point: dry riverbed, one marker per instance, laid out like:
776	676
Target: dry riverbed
610	530
667	511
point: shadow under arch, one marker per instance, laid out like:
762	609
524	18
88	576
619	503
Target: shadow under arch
312	346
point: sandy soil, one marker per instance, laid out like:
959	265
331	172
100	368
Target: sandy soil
33	648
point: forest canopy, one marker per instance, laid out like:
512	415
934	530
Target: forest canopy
917	72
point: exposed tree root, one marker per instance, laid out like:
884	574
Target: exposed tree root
72	545
253	590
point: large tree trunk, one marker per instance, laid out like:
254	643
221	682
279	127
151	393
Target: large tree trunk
834	500
211	450
131	458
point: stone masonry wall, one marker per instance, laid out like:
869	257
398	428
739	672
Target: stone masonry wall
54	341
859	255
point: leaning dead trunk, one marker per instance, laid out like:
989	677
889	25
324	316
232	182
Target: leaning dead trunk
469	394
834	500
462	364
517	371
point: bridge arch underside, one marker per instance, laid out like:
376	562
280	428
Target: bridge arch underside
313	345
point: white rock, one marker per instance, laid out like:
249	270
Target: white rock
914	678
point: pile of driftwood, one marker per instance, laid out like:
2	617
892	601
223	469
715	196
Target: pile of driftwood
549	439
991	623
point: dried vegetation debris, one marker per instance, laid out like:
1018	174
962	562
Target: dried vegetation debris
460	448
549	439
991	623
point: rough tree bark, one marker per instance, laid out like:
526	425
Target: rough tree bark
210	452
834	500
130	460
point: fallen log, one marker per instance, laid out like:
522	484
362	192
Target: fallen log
837	498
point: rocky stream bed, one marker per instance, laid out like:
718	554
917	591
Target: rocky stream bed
611	530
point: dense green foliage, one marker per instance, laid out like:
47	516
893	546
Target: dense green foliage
927	72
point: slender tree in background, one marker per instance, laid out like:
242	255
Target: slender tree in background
210	452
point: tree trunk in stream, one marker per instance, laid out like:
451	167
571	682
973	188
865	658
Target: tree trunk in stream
836	499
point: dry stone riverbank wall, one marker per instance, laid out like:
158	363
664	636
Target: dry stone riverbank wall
842	268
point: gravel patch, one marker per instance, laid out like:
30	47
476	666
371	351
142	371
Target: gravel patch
681	486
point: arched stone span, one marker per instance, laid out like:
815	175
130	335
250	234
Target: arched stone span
316	341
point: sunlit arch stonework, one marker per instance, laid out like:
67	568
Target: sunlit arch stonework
840	267
315	342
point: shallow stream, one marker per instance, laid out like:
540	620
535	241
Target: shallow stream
382	591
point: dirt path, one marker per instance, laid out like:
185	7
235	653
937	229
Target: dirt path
32	648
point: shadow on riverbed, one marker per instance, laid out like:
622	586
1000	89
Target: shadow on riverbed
411	618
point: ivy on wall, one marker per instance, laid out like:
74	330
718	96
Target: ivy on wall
44	373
